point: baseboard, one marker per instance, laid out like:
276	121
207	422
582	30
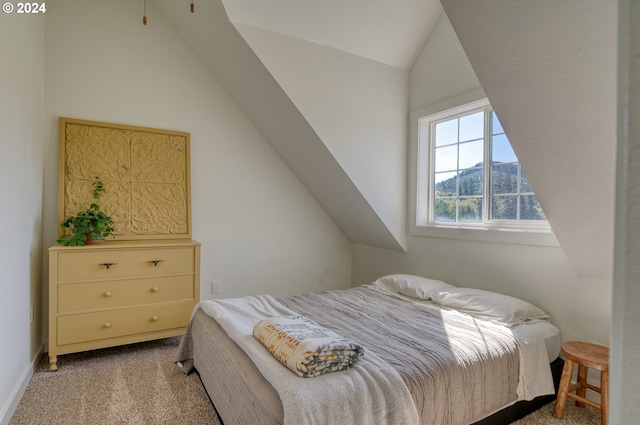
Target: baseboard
12	403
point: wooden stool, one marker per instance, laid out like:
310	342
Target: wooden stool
586	355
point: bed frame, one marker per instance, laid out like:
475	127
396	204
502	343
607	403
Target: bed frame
227	383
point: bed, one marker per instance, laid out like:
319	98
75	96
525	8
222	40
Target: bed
434	354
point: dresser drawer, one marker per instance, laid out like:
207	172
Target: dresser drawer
75	297
115	323
110	264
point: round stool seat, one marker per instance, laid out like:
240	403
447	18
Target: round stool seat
593	356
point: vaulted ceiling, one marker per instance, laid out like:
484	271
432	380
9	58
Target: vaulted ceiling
548	68
369	206
390	32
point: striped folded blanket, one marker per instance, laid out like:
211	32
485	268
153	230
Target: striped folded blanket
305	347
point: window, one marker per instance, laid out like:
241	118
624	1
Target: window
469	176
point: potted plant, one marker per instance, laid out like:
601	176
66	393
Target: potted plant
89	226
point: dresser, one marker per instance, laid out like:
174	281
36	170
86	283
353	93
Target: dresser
120	292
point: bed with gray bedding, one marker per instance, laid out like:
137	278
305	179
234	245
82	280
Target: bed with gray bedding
424	362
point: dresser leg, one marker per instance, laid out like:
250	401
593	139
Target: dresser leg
53	363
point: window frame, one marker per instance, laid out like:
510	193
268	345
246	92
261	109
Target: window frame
530	232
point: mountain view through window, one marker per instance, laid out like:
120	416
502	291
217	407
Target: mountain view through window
464	187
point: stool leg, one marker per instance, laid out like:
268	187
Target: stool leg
604	396
563	389
582	381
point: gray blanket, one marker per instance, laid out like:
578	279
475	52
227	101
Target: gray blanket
457	369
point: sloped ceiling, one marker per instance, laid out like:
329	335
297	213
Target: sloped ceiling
259	95
390	32
549	70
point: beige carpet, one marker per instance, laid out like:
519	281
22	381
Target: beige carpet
573	415
132	384
138	384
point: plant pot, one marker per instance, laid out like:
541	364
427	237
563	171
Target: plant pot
93	241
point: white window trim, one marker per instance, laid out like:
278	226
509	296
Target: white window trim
530	234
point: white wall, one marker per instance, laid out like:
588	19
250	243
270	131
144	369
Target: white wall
260	229
21	144
541	274
549	71
625	342
357	106
450	75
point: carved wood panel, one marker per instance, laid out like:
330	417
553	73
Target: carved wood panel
145	171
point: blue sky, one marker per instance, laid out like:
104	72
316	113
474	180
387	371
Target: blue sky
468	131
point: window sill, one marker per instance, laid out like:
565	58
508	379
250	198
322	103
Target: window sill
540	237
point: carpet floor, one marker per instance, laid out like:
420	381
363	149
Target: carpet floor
138	384
135	384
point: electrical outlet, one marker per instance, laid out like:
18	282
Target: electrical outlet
320	276
215	287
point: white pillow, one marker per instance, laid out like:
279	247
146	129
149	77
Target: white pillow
491	306
411	286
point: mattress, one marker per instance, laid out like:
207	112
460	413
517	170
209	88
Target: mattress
545	330
235	386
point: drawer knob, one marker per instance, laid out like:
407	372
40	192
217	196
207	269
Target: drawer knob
155	318
108	294
108	265
107	325
155	289
155	262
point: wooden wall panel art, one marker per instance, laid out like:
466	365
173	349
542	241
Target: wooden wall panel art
146	174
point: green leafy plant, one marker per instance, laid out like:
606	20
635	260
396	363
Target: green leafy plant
90	224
